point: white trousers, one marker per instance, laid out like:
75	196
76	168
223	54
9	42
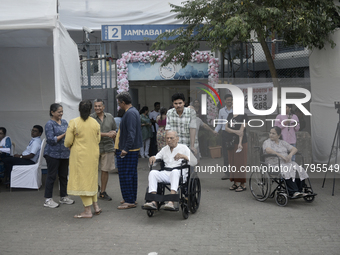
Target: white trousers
145	152
171	177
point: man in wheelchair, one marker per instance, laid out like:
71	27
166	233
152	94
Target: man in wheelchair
172	155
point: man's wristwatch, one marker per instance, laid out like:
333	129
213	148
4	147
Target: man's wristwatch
21	156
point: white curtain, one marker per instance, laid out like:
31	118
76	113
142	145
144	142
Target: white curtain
325	88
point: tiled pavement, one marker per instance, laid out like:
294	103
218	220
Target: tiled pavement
226	223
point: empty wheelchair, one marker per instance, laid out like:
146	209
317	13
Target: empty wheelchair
262	182
188	194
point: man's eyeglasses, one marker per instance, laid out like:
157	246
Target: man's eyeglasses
35	131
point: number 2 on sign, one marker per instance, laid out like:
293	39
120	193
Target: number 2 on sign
115	32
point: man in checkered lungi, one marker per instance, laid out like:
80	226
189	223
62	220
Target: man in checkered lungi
128	143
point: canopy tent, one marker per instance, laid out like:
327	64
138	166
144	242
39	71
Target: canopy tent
39	66
325	76
75	14
93	13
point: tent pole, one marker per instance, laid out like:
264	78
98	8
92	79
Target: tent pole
88	67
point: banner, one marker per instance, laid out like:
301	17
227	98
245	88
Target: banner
140	71
135	32
262	96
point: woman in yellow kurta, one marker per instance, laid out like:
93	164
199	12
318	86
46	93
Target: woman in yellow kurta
83	137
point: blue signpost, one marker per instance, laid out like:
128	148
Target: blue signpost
135	32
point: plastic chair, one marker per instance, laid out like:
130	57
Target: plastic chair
28	176
13	149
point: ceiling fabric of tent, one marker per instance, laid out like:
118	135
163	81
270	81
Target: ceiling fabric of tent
94	13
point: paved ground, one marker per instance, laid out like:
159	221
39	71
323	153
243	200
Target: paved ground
226	223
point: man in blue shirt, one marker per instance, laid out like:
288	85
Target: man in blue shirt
29	156
128	144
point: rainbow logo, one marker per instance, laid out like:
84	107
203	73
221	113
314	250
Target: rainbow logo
207	91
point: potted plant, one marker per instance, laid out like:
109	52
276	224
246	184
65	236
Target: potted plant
214	148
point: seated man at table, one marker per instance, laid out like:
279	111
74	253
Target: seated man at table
29	156
5	143
172	155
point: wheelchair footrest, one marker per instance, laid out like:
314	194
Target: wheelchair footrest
312	195
161	198
148	208
309	195
176	209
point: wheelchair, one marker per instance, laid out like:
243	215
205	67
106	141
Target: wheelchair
261	182
188	194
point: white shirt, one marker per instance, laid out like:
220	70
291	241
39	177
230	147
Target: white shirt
168	157
34	148
153	115
223	114
199	123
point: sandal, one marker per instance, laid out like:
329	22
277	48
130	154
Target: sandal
123	201
82	216
97	209
169	206
240	189
126	206
98	212
151	205
233	187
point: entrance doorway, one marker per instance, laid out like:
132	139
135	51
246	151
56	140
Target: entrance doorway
161	91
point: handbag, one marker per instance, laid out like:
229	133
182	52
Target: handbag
229	145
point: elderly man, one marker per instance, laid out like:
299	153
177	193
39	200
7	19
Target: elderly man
171	155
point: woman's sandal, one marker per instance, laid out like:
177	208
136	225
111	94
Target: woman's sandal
82	216
97	209
233	187
98	212
240	189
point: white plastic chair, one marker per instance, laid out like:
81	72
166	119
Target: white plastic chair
12	149
11	152
28	176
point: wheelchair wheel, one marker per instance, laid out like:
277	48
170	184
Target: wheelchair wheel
310	198
150	213
281	199
185	211
194	195
308	189
260	185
